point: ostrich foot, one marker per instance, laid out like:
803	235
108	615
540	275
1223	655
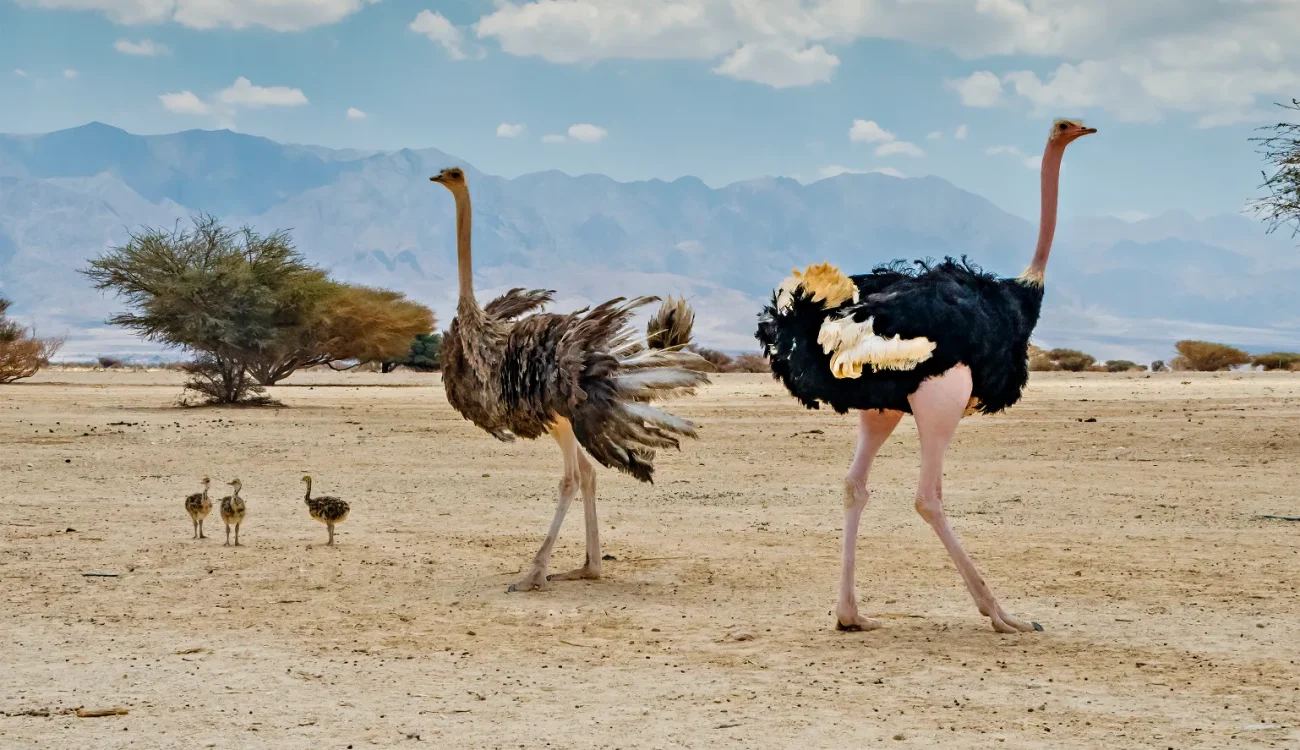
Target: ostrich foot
852	622
1005	623
585	573
534	580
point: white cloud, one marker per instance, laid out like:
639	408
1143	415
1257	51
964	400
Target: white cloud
278	15
507	130
184	103
899	147
355	114
70	73
553	138
20	72
587	133
243	93
933	135
1032	162
889	171
1132	217
835	170
779	65
961	132
142	48
1217	60
867	131
979	89
439	29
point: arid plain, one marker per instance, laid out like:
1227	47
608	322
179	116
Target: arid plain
1170	608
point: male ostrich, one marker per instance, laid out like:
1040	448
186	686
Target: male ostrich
327	509
582	377
938	341
199	506
233	510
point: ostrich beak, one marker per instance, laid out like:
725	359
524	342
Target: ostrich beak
436	178
1089	131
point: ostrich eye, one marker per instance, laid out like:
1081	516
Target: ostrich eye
1062	126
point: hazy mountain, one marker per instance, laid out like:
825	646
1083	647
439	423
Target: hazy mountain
1115	288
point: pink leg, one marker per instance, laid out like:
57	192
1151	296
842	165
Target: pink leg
874	428
590	570
937	406
535	578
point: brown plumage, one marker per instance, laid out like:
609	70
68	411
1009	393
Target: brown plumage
199	506
670	328
582	377
327	509
233	510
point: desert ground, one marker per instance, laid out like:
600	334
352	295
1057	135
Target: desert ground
1170	607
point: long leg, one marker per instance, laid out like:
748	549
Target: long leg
237	532
535	578
938	405
874	428
330	526
201	536
590	569
196	528
227	544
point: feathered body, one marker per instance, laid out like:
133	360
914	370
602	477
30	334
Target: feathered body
198	505
326	508
511	370
868	341
233	509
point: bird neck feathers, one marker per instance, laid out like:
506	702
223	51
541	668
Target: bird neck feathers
464	263
1051	182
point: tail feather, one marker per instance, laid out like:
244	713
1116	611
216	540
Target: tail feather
615	423
672	326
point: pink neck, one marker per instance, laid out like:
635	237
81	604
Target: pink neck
464	218
1051	177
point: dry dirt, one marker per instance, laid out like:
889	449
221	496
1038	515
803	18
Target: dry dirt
1171	609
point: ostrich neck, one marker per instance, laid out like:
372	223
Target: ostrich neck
464	220
308	489
1051	177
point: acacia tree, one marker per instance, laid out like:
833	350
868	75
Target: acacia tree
343	323
222	294
22	354
1281	149
1206	356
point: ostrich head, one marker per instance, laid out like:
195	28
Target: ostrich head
452	178
307	479
236	484
205	481
1066	131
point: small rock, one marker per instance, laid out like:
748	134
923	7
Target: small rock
741	635
899	736
470	632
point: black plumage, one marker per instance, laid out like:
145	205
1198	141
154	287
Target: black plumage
972	317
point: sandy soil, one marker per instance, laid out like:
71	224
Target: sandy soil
1171	609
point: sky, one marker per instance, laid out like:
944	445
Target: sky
725	90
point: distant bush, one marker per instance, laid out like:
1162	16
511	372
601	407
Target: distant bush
749	363
22	355
1206	356
110	363
1121	365
719	360
1039	361
1159	366
221	381
424	354
1276	361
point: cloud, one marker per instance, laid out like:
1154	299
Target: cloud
779	66
184	103
868	131
960	133
243	93
355	114
899	147
1032	162
553	138
933	135
1217	60
280	15
440	30
979	89
587	133
507	130
20	72
143	48
835	170
71	73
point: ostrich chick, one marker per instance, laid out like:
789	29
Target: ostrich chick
328	510
199	506
232	511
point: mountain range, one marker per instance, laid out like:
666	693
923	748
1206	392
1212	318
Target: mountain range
1115	288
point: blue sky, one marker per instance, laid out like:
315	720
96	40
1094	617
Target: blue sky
722	89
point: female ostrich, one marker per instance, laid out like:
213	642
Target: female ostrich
199	506
233	510
938	341
515	371
326	509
